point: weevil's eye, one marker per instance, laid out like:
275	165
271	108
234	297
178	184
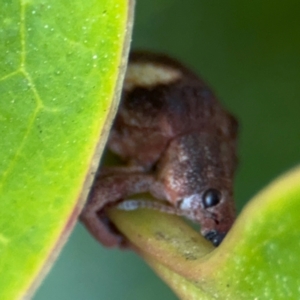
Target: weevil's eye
211	198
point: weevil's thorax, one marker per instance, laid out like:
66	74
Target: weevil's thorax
193	164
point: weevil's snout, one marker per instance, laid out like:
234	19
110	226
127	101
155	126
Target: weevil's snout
218	223
219	218
213	210
215	237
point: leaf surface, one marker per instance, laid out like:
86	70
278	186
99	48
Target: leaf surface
59	86
257	260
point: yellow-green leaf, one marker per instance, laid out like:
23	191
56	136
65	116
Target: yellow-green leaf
59	73
257	260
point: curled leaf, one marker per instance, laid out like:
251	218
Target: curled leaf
257	260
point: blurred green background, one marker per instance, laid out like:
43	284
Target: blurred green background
249	52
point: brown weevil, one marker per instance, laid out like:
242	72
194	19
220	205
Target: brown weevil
180	146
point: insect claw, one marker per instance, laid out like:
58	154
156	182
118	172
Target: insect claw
215	237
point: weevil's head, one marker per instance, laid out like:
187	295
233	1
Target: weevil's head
212	208
197	172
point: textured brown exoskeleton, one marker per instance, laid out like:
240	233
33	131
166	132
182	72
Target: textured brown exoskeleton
180	145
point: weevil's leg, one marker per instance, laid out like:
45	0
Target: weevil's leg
108	190
111	170
134	204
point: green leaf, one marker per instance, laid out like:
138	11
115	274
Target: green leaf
261	254
60	63
257	260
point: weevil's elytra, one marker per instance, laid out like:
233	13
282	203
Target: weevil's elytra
180	146
143	74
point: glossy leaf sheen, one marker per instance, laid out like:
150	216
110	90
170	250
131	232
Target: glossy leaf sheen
257	260
59	67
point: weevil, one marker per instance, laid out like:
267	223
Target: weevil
179	144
